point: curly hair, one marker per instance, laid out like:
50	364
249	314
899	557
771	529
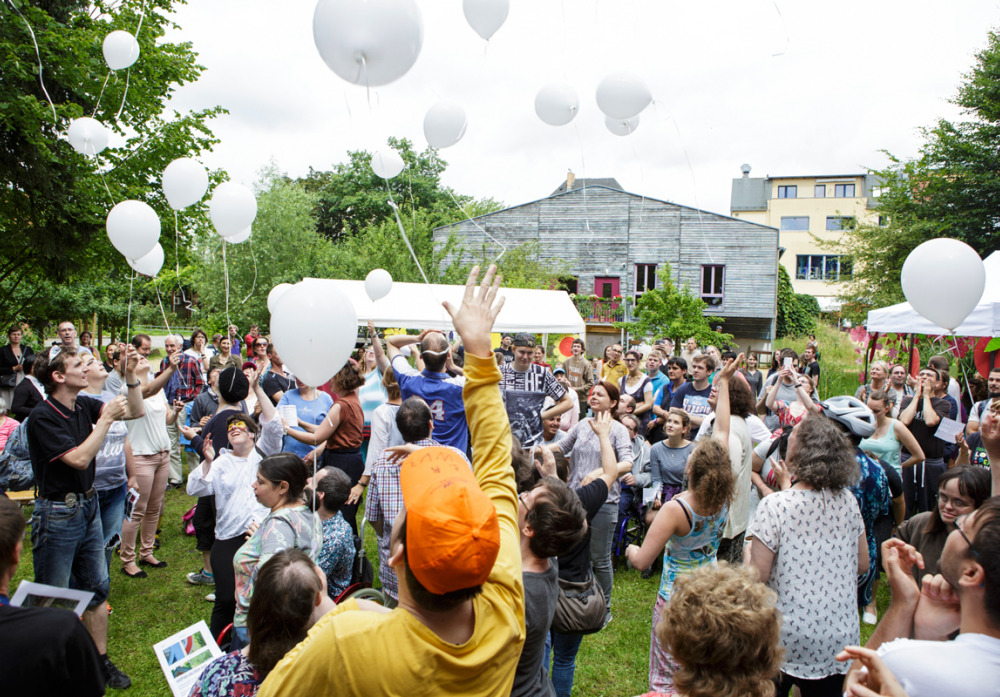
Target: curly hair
711	474
741	401
724	629
822	456
349	378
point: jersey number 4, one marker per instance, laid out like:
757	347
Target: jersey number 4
437	409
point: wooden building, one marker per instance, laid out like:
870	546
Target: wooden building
611	243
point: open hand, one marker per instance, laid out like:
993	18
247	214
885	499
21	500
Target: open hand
479	309
730	368
207	451
601	424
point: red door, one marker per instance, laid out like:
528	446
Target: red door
606	287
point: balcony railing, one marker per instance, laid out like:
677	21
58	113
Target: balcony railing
604	310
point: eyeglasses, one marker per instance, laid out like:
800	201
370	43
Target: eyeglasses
959	524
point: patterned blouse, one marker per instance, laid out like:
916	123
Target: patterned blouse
282	529
685	553
231	675
336	558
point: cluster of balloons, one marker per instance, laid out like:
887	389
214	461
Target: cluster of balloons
943	263
620	96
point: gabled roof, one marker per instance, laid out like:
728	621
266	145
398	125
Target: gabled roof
609	183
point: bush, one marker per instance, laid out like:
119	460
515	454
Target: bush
793	319
808	303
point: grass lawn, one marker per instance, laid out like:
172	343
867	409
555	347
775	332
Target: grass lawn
611	662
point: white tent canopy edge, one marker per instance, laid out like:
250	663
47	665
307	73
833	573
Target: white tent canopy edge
418	306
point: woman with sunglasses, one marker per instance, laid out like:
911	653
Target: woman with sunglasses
638	386
961	490
230	477
279	486
259	355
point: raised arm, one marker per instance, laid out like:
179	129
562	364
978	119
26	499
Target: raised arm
601	425
381	360
907	415
134	407
160	381
722	412
989	431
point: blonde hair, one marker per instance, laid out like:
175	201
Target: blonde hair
723	627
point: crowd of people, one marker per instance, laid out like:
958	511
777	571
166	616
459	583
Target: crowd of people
498	482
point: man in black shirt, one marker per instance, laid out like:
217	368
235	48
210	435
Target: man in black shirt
64	437
43	651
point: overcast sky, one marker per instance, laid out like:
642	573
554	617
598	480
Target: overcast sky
788	87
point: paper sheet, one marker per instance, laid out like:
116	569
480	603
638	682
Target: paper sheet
289	414
31	594
184	656
948	429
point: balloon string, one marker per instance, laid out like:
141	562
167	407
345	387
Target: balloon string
156	285
503	247
694	182
128	323
785	26
128	74
105	182
38	55
177	265
413	207
225	270
142	17
254	286
402	231
101	95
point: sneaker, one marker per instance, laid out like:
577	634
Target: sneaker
114	678
201	578
210	597
870	618
648	573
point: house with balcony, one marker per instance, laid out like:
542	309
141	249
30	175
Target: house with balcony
811	212
611	243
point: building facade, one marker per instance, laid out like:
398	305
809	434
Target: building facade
612	242
808	211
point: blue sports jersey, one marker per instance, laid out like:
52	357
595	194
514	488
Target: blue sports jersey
443	395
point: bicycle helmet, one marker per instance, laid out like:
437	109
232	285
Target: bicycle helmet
852	413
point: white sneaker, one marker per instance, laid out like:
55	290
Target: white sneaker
870	618
210	597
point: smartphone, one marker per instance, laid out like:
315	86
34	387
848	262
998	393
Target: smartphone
788	362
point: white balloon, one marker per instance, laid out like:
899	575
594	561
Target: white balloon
185	182
276	292
378	283
621	127
368	42
87	136
232	208
486	16
121	50
387	163
150	264
943	263
241	236
314	331
133	228
444	124
622	95
557	104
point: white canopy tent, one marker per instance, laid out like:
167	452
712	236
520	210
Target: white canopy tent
982	321
418	306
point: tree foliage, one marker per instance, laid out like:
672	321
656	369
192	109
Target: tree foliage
674	312
952	189
54	202
793	318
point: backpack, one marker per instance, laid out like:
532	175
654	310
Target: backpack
15	462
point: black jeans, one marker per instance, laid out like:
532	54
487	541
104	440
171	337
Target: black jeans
353	466
224	608
830	686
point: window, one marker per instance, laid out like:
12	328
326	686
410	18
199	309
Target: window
820	191
568	284
843	190
712	284
788	192
822	267
876	191
795	222
883	220
645	278
838	222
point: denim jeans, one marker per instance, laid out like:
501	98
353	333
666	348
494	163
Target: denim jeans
602	538
68	543
241	638
112	503
563	649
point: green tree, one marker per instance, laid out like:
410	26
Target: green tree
793	317
952	189
674	312
54	202
352	197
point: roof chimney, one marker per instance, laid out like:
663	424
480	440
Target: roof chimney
570	178
745	168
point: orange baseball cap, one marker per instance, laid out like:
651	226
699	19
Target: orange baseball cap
452	532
